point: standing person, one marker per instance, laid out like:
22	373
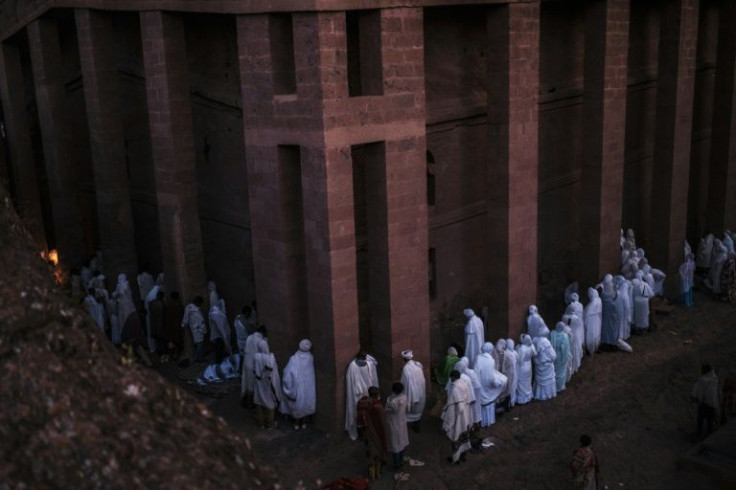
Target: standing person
593	316
561	343
492	385
474	336
535	325
248	378
220	331
457	418
510	369
544	369
687	273
243	328
267	391
705	393
415	386
95	309
181	339
397	435
609	324
361	375
526	352
195	321
370	420
299	387
584	466
442	372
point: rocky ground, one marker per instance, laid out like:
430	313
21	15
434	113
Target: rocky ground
75	413
636	407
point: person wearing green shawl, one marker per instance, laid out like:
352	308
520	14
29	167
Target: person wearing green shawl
442	372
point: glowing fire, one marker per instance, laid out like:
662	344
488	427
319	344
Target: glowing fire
53	257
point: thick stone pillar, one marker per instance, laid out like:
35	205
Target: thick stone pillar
107	142
17	132
43	40
513	120
170	121
673	134
604	113
721	208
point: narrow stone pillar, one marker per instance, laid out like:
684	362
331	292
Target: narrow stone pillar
512	174
107	142
17	132
673	134
721	208
604	113
43	40
170	120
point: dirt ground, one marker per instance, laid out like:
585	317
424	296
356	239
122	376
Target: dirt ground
636	407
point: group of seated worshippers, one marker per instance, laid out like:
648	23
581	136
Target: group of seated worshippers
716	263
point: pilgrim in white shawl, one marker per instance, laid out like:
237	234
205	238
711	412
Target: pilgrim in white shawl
526	353
299	386
535	325
397	435
544	370
474	336
511	369
252	344
220	331
95	309
574	317
593	315
687	276
457	417
267	391
195	321
492	385
361	375
415	388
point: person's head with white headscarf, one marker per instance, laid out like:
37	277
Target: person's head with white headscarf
486	348
305	345
509	344
469	313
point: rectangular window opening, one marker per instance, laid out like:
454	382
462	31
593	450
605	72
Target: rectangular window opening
365	63
281	33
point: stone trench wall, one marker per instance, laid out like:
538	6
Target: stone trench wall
74	415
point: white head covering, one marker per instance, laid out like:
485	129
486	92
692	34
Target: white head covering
468	312
407	354
593	294
575	297
452	351
560	326
526	339
501	344
211	286
305	345
487	347
533	309
509	344
122	278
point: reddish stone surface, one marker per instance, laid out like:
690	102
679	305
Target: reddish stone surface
164	55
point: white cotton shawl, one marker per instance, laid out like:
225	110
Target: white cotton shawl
415	388
358	379
299	386
457	416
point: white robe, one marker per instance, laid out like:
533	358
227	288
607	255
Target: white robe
267	391
251	347
299	386
96	311
593	317
642	293
524	389
358	379
536	327
545	386
241	333
457	415
687	273
145	284
415	389
474	339
510	369
195	321
151	296
219	327
574	312
397	435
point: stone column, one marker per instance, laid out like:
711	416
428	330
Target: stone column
43	40
512	175
17	132
673	134
107	142
604	113
721	208
170	120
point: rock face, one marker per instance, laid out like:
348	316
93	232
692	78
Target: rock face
73	414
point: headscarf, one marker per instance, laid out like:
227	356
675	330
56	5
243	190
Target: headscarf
305	345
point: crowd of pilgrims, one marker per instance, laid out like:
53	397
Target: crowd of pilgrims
479	379
171	330
482	378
